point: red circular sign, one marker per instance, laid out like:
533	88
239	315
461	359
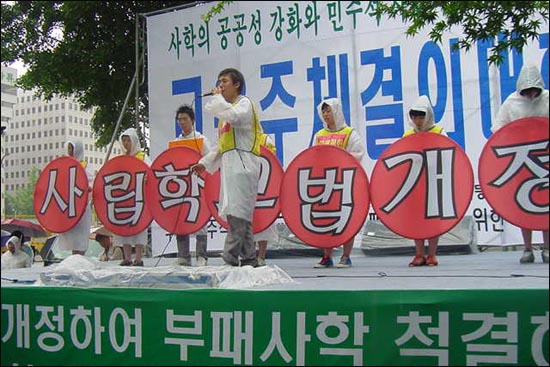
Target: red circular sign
422	185
325	196
267	202
513	172
175	195
61	194
119	195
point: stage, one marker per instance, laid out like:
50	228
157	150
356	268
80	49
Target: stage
471	309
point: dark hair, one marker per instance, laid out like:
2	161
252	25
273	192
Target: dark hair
235	76
324	106
99	237
414	113
19	235
528	90
186	109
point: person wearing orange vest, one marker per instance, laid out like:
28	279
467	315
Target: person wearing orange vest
421	118
77	238
186	119
336	132
237	156
130	144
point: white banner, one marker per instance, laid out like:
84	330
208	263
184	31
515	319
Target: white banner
294	54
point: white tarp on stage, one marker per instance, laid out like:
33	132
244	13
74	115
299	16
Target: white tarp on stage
80	271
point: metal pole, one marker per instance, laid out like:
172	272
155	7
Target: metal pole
113	138
136	85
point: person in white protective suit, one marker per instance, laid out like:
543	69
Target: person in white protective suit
529	100
15	257
129	140
237	157
77	238
421	119
336	132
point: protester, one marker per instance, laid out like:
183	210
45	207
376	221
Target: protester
237	157
76	239
421	118
529	100
270	234
186	119
15	257
130	143
336	132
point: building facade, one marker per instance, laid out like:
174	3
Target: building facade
9	99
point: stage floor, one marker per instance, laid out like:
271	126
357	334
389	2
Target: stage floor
494	269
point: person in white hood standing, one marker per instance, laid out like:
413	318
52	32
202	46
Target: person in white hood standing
237	156
336	132
15	257
529	100
421	118
130	143
77	238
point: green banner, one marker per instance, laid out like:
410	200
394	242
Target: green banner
113	326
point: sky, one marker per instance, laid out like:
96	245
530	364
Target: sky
21	68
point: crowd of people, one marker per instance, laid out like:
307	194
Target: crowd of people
236	155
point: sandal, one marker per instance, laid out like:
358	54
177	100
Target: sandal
126	263
431	260
137	263
418	260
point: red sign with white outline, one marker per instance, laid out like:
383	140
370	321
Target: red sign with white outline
61	194
119	195
267	202
175	195
422	185
513	172
325	196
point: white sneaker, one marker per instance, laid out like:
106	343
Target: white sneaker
261	261
201	261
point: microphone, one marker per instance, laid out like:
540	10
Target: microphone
206	95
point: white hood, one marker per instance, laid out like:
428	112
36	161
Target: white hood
334	104
16	243
133	135
517	106
78	149
422	104
529	77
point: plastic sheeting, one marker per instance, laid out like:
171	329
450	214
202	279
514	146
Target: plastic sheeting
79	271
379	240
